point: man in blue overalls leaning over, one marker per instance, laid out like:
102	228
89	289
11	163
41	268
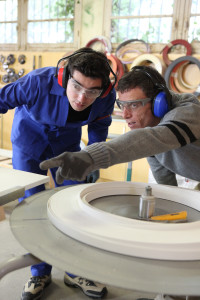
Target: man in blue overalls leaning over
52	104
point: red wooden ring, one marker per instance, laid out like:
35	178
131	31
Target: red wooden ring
167	48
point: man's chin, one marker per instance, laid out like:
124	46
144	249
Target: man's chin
78	107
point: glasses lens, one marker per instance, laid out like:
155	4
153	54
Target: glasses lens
119	104
131	105
91	94
76	86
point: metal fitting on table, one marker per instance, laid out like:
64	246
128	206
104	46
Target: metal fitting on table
147	204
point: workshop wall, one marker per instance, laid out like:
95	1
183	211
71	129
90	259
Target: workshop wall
33	60
92	20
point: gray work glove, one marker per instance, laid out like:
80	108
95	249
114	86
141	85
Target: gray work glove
92	177
71	166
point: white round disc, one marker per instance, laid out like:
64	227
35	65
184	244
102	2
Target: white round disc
71	212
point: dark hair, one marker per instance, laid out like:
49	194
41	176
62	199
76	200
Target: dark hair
137	78
90	63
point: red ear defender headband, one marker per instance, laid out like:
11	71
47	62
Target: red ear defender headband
62	74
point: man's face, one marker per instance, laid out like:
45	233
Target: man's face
137	114
82	91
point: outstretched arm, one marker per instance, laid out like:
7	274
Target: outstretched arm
127	147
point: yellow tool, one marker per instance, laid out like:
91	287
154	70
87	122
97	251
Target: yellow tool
182	215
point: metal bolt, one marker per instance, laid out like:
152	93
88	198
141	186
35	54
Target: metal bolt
147	204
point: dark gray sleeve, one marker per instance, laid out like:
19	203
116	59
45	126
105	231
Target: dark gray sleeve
178	128
160	173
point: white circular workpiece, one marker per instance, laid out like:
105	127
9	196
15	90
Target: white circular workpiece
71	212
36	233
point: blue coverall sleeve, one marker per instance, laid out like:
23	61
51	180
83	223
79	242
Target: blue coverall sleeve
98	129
21	92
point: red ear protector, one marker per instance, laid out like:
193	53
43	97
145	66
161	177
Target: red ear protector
63	73
161	103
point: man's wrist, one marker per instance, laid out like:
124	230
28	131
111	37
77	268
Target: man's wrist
99	155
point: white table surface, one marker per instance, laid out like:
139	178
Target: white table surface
15	181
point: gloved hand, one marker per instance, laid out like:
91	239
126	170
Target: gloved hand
92	177
71	165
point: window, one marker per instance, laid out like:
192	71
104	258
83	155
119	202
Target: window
154	21
35	24
146	20
8	21
194	24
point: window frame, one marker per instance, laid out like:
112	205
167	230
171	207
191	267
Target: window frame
180	25
22	29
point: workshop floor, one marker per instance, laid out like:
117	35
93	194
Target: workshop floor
11	285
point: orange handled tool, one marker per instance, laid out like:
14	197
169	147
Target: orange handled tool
171	217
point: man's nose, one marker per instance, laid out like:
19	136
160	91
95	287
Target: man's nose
126	113
82	97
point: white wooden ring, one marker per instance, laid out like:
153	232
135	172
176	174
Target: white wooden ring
71	212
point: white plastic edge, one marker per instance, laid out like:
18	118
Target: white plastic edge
70	211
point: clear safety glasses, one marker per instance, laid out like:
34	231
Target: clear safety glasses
79	89
132	104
